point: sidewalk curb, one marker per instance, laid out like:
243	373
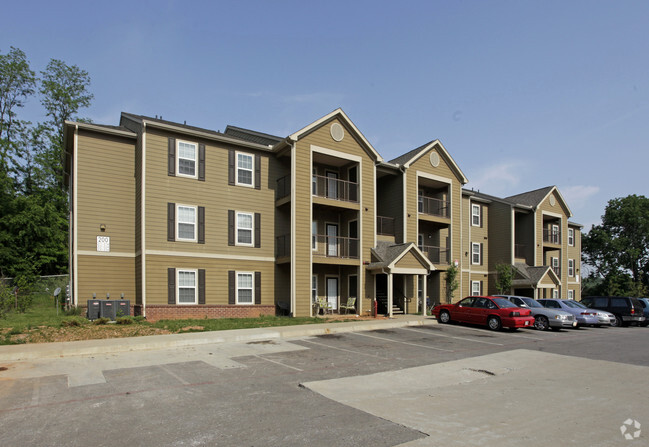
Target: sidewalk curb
12	353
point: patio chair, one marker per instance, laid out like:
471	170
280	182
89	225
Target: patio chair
351	305
325	306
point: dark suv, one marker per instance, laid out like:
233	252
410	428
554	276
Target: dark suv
626	310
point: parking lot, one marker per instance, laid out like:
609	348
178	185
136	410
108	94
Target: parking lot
424	385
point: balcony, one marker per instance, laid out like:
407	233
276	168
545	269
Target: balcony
552	236
520	251
436	255
333	188
335	247
557	270
283	245
434	207
385	226
283	188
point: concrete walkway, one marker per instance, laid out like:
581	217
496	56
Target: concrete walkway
13	353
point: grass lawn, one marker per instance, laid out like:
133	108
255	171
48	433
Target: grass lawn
40	323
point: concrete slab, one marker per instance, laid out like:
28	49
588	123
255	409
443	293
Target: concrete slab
511	398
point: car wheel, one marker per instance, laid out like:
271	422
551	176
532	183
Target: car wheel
541	323
617	322
444	317
494	323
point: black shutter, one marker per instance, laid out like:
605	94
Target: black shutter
257	230
480	207
171	222
257	171
481	253
231	287
231	167
201	224
171	284
201	162
172	156
257	287
481	292
201	286
230	227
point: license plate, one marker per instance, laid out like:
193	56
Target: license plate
574	324
527	323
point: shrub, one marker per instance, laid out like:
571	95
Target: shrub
101	320
73	311
74	321
125	320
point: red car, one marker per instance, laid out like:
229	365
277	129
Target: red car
489	311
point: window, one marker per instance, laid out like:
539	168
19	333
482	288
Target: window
555	293
186	286
244	169
314	182
244	228
186	159
475	288
314	288
245	288
475	215
571	268
571	294
475	254
186	223
571	237
314	235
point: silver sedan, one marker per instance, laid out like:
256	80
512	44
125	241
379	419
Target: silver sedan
544	318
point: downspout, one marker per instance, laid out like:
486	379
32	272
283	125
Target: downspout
74	246
143	218
293	229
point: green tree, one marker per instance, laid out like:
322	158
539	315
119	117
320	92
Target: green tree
504	278
452	282
618	249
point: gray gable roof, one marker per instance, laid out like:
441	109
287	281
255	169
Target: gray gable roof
529	276
401	159
171	123
252	136
530	198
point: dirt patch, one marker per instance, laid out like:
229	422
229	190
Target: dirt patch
90	332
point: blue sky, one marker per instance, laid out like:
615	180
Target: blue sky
523	94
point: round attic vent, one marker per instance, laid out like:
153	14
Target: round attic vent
434	159
337	132
552	201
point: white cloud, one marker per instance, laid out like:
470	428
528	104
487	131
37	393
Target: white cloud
498	179
577	195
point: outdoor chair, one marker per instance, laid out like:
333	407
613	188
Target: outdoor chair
351	305
325	306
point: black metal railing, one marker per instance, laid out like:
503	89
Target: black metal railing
283	245
335	246
283	188
434	207
333	188
436	255
385	225
552	236
520	250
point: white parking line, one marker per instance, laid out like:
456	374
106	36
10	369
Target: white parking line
451	336
278	363
341	349
402	342
483	331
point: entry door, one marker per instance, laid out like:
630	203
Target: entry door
332	240
353	239
332	292
332	185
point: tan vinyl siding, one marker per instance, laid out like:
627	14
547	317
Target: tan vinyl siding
106	274
214	194
390	202
105	191
409	261
499	233
216	277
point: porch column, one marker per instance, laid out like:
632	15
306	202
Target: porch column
390	295
424	286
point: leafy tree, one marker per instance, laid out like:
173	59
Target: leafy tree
618	249
452	282
504	278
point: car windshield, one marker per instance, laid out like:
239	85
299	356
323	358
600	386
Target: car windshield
502	302
574	304
531	303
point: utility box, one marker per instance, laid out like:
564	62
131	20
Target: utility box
94	309
123	308
108	309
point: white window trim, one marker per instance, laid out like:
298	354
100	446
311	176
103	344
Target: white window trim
552	261
252	288
195	223
236	229
314	289
555	294
195	272
571	237
571	294
571	268
236	169
473	283
479	253
475	207
178	173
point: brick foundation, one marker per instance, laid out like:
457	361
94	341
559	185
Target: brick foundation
163	312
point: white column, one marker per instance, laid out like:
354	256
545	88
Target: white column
424	287
390	295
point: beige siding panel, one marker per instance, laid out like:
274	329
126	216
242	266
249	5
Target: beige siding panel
106	274
409	261
390	201
499	234
214	194
106	191
216	277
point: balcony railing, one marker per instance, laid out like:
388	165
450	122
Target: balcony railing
434	207
333	188
520	250
436	255
385	225
283	188
557	270
335	246
283	245
552	236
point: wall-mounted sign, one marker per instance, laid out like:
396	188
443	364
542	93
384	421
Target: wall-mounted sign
103	243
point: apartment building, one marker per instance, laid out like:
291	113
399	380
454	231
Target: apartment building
190	222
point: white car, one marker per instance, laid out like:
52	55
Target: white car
544	318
